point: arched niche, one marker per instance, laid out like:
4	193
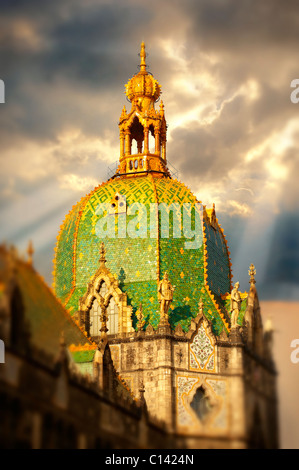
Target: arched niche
103	295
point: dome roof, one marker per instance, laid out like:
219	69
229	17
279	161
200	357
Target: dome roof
139	259
139	263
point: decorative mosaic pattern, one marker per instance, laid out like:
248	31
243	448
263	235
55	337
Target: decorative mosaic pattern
201	351
185	415
216	299
211	363
138	263
184	386
63	273
218	268
219	387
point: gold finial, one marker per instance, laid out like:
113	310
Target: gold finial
30	252
142	58
142	91
123	114
252	273
102	259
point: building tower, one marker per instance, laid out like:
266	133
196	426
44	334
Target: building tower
143	264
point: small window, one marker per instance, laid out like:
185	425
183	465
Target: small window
96	311
112	313
103	289
94	318
118	204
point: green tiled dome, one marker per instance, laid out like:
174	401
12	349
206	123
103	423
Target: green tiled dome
139	263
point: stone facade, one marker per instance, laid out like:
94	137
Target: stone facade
47	400
238	384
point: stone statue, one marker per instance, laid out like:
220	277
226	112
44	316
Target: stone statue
139	315
165	295
235	305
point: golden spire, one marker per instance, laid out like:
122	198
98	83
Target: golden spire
142	58
143	129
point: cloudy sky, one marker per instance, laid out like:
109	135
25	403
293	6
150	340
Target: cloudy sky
233	133
225	68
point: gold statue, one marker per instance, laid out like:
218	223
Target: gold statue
235	305
140	318
165	295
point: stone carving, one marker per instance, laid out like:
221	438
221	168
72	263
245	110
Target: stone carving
140	318
165	296
130	357
149	330
235	305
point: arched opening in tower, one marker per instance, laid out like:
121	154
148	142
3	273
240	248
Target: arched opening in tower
151	139
137	136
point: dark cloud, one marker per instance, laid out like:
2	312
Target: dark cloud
80	50
247	24
290	190
284	267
